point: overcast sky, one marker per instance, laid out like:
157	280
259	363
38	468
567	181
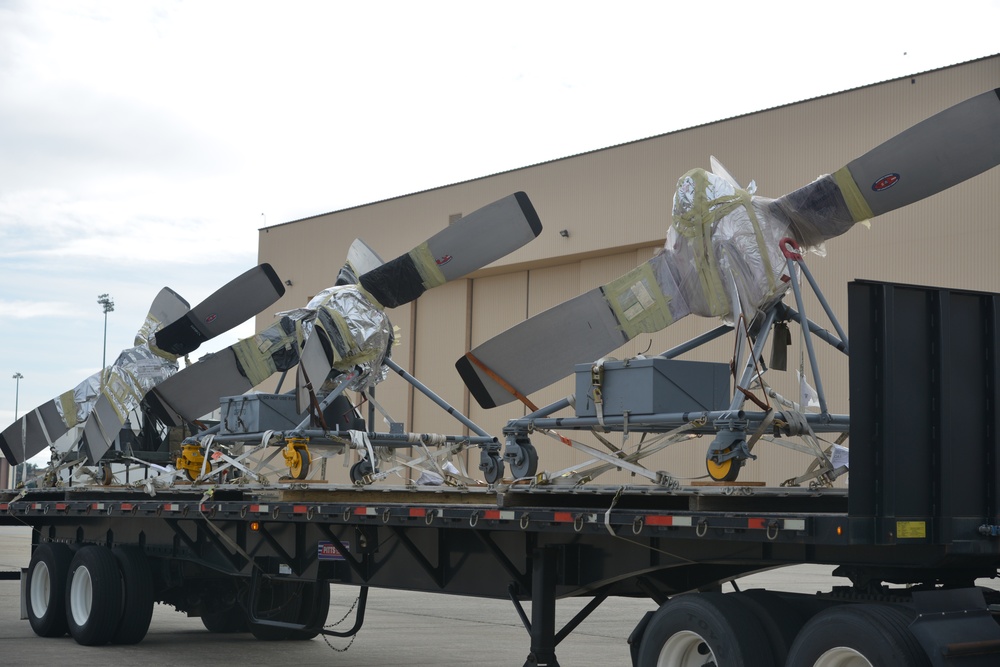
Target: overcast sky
144	143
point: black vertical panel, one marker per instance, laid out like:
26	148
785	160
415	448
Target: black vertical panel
924	421
864	303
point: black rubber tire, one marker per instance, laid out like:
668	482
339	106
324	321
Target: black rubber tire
137	609
315	608
93	596
276	601
780	620
879	632
703	623
46	589
227	621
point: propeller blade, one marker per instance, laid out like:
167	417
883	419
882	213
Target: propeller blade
314	367
478	239
520	360
231	305
44	425
482	237
195	391
933	155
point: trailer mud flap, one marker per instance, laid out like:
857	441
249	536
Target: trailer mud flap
955	628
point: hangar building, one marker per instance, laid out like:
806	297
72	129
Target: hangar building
606	211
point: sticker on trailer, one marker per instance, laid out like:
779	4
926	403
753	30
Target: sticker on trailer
328	551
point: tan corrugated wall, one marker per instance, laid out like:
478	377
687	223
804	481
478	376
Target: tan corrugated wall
615	205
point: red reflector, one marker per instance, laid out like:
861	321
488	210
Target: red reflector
659	520
418	511
61	507
126	507
563	517
491	514
299	509
759	524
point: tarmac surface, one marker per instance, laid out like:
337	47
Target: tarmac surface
401	628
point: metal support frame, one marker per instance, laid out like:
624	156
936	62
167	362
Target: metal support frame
732	425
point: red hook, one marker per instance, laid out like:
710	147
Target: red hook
790	248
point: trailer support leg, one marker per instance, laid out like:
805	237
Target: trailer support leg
543	609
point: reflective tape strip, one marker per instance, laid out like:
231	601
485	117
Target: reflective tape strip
299	509
171	507
260	509
97	506
365	511
563	517
505	515
794	524
418	511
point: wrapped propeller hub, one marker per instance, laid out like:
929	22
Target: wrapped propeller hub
723	236
354	331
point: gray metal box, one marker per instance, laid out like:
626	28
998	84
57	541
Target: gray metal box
655	385
253	413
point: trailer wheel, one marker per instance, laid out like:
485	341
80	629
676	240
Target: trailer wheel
46	586
781	622
137	609
704	629
93	596
227	621
315	609
858	635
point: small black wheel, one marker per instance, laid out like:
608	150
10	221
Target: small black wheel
360	470
137	611
301	468
46	588
862	634
526	463
492	467
704	629
107	476
93	596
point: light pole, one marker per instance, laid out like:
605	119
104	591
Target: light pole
17	392
109	306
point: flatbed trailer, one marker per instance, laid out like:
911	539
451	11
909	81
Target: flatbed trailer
918	526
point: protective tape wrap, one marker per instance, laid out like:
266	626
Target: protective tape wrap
134	372
825	208
638	300
718	230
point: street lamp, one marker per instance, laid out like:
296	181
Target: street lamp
17	390
109	306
